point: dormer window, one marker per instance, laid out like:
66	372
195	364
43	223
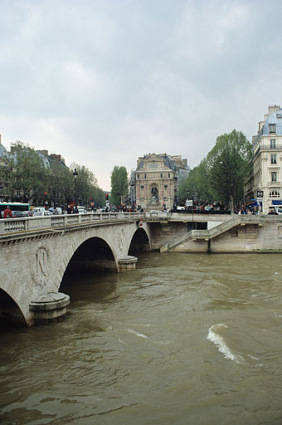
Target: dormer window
272	128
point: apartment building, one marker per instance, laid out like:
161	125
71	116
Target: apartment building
266	183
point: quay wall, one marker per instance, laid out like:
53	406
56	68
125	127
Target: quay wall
251	234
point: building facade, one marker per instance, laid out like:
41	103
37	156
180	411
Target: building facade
156	180
266	183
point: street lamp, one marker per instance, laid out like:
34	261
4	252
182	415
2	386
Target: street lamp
75	173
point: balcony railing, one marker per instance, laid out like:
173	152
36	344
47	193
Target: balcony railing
268	148
274	184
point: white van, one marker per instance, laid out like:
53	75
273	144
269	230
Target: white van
39	209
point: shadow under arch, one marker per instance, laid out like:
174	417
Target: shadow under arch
89	262
139	242
10	314
92	255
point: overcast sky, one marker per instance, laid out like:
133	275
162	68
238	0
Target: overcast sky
102	82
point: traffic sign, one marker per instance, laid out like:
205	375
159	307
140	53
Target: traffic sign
260	194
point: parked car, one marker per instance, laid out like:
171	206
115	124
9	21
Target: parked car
82	211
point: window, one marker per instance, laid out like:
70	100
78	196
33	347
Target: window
274	194
165	186
145	176
272	128
142	187
279	115
273	158
272	143
161	175
137	176
274	176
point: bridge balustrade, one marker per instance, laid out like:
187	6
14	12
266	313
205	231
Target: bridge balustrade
13	225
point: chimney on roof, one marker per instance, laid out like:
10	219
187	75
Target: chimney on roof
273	108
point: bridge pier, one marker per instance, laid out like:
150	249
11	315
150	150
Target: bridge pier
49	306
127	263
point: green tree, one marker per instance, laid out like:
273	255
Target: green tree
195	186
60	183
229	164
27	172
119	184
98	196
86	185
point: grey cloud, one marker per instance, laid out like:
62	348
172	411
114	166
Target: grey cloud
103	82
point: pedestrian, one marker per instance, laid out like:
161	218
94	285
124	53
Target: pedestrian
8	212
69	209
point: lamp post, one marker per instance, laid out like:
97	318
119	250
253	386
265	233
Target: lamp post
75	173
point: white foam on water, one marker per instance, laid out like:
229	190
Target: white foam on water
219	341
252	357
131	331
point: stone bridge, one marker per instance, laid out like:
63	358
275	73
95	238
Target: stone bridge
36	253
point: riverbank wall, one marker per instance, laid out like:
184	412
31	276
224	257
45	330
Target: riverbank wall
233	234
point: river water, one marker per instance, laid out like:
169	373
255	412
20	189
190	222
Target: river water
184	339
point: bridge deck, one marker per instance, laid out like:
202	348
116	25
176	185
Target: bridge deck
217	224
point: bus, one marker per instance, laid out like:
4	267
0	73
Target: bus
15	206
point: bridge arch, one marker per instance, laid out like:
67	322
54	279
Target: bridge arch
140	241
10	311
93	254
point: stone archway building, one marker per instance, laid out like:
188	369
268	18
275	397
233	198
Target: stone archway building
157	178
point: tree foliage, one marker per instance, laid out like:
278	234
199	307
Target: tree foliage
27	172
229	165
195	186
119	184
221	174
60	183
28	178
86	186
